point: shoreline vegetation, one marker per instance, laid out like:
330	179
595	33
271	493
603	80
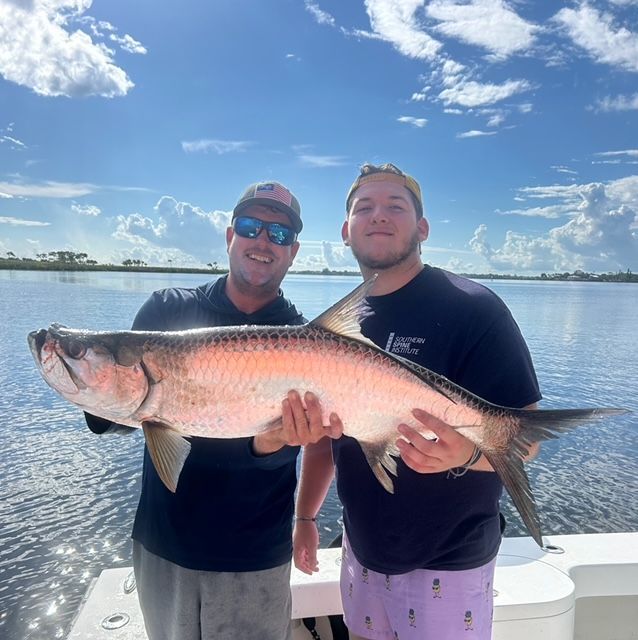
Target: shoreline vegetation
72	261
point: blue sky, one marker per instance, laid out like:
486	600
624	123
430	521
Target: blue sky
129	129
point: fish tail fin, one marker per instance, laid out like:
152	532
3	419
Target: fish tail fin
536	426
379	457
168	451
547	424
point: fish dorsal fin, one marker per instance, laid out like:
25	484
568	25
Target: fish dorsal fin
344	316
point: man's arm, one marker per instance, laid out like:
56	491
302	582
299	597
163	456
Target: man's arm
317	472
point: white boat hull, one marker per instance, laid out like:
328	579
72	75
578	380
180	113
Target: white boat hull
587	592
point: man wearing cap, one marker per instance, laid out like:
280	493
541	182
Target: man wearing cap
418	563
212	560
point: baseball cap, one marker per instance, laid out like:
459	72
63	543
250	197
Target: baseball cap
387	172
275	195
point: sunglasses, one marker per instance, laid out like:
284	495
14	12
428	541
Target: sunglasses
278	233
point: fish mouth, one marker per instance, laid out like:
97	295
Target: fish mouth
36	341
49	356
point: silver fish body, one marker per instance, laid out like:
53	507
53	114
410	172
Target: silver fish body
229	382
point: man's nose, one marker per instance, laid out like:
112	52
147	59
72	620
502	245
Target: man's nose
262	238
379	214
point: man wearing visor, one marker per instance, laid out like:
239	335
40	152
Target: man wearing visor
212	560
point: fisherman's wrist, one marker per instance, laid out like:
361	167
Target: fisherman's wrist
457	472
302	518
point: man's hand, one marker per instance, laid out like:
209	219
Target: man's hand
301	425
447	448
305	544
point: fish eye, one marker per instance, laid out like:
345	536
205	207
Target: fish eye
75	349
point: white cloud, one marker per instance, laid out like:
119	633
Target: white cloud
495	119
86	209
21	222
596	33
415	122
475	94
625	153
474	133
321	16
395	22
322	161
490	24
551	191
48	189
618	103
12	142
177	226
218	146
624	191
129	44
337	256
561	169
600	235
549	212
38	50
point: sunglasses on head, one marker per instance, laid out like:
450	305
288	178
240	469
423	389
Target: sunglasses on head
278	233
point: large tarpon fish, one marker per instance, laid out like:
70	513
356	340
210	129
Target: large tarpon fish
229	382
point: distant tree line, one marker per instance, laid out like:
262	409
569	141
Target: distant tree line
75	261
578	275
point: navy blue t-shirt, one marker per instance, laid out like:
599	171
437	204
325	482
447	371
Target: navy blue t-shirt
463	331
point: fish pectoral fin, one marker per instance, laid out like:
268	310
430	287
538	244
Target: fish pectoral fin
168	451
379	457
511	470
344	317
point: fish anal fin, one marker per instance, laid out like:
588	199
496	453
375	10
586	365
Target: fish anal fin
168	451
511	470
378	455
344	317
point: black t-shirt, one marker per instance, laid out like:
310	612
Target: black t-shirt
232	510
462	330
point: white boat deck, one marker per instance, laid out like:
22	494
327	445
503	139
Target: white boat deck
553	596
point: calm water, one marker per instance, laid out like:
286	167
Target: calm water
67	497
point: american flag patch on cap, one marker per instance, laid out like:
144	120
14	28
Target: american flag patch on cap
274	191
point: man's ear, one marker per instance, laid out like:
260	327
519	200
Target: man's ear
293	251
229	236
345	233
423	228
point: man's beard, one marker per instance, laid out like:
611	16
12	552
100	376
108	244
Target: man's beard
392	259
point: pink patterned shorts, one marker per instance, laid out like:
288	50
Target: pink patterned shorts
422	604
